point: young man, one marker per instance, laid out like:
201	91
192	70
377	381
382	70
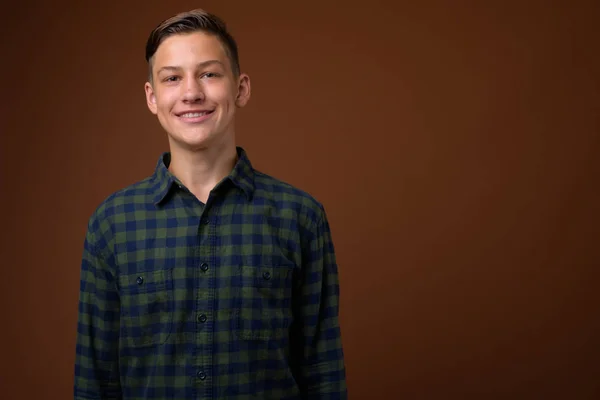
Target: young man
208	279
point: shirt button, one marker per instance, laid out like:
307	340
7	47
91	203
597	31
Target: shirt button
139	280
202	318
205	220
201	375
204	267
267	275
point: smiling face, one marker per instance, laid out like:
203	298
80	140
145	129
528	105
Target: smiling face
194	92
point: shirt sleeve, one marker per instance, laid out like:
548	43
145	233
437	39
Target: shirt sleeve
96	358
321	369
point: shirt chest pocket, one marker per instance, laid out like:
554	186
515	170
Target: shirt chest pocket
264	302
146	307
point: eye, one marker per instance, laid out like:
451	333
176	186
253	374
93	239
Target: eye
210	75
171	79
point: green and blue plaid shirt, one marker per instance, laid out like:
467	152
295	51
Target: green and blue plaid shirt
233	299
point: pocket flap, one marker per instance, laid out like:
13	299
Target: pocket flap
143	282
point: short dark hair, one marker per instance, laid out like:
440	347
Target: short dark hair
188	22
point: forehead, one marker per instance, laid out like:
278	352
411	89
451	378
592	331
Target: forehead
180	49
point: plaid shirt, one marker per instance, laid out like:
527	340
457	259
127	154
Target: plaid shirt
234	299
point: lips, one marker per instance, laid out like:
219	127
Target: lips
194	115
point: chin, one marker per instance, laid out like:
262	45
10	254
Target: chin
196	137
193	142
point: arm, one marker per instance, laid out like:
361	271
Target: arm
96	360
321	372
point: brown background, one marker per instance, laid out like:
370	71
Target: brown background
453	144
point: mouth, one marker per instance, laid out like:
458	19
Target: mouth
194	116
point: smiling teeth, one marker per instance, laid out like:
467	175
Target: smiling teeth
193	115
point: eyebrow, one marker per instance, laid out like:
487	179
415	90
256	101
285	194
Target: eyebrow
199	65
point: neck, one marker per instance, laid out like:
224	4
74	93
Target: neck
201	170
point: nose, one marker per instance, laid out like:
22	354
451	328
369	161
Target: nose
193	91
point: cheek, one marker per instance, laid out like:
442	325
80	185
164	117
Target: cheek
227	100
165	101
221	94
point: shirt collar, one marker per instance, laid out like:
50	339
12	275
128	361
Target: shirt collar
242	176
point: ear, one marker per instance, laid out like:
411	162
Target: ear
243	95
150	97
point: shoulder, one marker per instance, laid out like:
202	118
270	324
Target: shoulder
288	199
117	206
